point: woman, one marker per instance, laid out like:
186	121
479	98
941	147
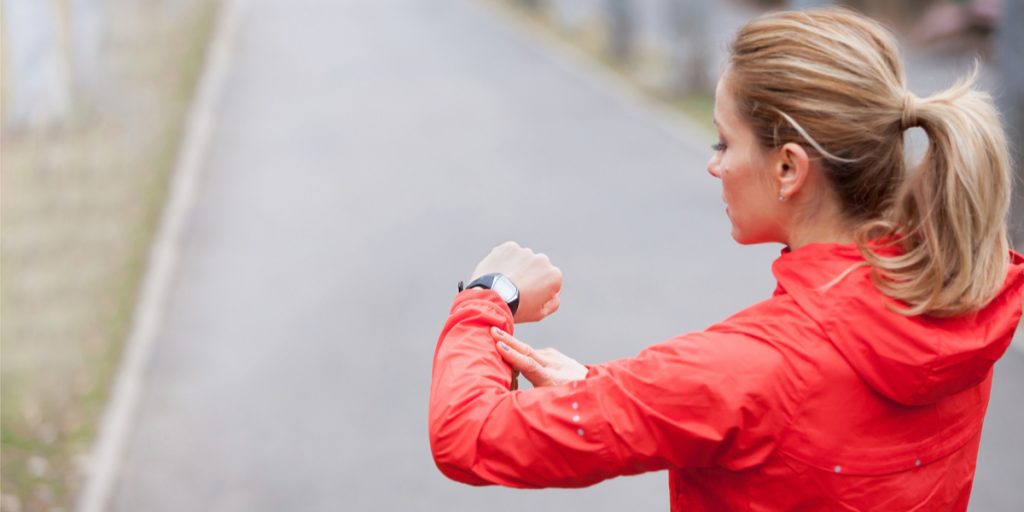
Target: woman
861	384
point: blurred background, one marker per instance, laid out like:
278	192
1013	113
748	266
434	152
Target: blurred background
352	160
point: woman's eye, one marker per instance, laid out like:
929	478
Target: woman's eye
719	146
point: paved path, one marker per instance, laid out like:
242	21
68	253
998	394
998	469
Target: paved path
367	154
997	482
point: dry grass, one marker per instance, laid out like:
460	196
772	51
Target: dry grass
647	71
79	207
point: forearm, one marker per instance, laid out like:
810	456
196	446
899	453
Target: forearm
481	433
468	380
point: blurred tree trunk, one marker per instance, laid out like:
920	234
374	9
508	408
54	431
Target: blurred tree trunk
689	47
621	30
800	5
569	14
36	72
531	4
1010	61
86	40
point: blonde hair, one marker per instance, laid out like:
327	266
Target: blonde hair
833	80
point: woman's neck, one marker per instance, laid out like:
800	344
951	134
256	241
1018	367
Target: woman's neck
829	228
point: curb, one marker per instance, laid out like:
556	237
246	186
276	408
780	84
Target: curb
105	461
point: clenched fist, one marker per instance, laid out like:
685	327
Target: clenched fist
539	281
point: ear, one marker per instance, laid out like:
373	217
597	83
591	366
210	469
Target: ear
791	168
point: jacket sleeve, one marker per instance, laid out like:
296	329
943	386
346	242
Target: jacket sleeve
700	399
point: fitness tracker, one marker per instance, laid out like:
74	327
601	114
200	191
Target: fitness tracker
499	283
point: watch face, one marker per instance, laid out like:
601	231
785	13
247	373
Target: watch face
505	288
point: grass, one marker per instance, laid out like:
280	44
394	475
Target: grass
646	70
699	107
80	203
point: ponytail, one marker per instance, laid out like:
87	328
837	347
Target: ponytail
949	214
833	80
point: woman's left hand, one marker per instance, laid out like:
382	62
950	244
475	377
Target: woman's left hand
543	367
539	281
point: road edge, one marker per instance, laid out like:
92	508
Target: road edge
106	457
576	62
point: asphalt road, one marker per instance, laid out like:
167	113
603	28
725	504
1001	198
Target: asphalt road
367	155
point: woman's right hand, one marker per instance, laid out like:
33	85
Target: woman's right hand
544	367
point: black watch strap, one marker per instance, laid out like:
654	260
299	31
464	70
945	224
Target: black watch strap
506	289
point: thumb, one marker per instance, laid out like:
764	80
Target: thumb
551	306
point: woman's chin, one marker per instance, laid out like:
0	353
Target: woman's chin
744	238
740	240
737	235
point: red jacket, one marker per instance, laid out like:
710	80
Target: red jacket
808	400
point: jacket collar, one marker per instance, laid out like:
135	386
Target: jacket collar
912	360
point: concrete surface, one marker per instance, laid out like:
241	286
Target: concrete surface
367	155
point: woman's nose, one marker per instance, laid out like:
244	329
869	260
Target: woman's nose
713	167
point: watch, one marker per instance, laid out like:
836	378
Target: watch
499	283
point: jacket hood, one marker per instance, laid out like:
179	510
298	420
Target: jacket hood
911	360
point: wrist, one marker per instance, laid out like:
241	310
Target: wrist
499	283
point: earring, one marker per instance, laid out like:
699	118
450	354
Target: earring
782	199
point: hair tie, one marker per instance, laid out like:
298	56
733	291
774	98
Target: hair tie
908	119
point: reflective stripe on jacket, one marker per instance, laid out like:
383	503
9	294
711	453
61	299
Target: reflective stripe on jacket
809	400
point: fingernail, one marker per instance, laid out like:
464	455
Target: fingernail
497	332
503	346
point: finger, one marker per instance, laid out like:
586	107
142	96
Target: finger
517	345
552	305
556	278
547	353
519	361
